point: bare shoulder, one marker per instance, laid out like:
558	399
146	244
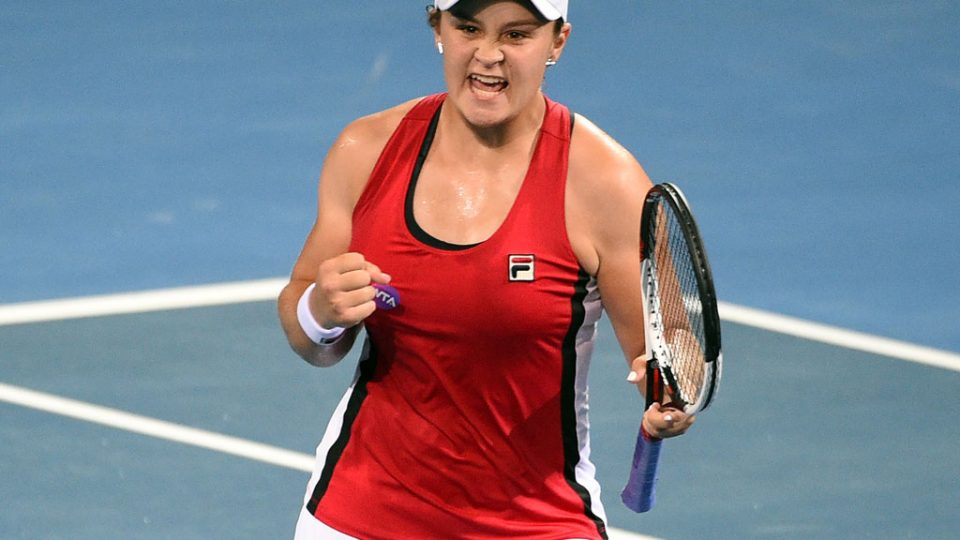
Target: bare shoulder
604	197
602	166
366	136
605	185
354	153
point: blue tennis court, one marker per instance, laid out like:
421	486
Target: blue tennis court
869	452
174	147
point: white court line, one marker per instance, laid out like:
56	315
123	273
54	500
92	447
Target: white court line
840	337
268	289
154	428
141	302
161	429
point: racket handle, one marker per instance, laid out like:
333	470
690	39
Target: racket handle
639	494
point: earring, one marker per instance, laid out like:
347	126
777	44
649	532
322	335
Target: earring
551	62
440	47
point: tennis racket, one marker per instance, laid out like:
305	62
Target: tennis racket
681	325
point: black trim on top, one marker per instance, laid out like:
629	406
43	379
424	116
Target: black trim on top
411	221
409	218
367	368
568	401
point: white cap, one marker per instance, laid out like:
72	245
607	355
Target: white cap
550	9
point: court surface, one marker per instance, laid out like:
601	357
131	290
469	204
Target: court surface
868	452
152	152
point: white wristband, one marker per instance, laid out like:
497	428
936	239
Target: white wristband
318	334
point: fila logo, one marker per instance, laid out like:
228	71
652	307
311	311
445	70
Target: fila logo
521	267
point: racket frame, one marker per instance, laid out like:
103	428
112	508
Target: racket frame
658	354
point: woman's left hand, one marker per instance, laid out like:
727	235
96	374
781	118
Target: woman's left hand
659	420
665	421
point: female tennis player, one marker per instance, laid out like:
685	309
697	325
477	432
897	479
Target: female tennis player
497	220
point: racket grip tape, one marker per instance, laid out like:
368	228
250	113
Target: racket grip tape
639	494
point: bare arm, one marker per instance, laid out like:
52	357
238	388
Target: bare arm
606	190
344	293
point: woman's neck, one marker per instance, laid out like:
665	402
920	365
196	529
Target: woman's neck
520	130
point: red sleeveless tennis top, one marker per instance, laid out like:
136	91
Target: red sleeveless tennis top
467	417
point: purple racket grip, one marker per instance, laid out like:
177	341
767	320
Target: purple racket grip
639	493
387	297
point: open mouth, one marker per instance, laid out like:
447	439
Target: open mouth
488	85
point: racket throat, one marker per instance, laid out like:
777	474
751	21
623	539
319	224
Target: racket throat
654	383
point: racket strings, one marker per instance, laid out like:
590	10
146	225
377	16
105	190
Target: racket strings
681	308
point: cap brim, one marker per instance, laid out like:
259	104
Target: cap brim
545	8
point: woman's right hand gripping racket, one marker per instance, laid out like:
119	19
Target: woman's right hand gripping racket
682	326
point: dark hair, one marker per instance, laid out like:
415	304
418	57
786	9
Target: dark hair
433	17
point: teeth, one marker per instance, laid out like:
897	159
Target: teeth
488	80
